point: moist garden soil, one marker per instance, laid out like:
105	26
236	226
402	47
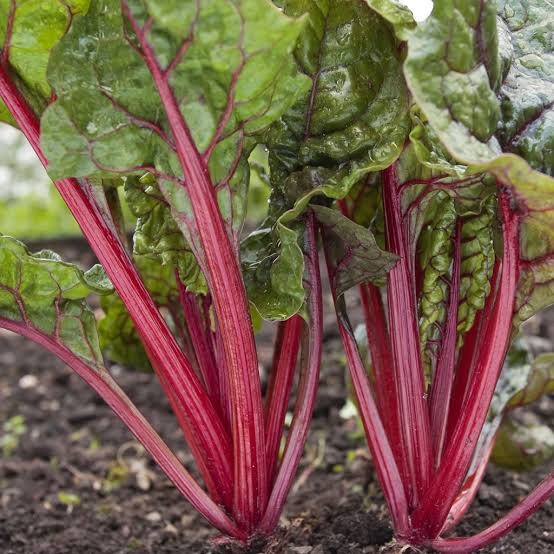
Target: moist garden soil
78	483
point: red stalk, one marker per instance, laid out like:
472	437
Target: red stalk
101	381
199	339
469	353
230	303
431	513
385	463
378	340
286	350
466	545
468	492
307	387
413	415
444	373
202	427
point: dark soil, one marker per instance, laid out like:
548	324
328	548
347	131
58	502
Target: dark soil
121	503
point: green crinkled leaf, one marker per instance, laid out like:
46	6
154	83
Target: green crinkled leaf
397	14
486	86
486	83
43	292
237	76
533	195
435	258
119	339
429	150
273	268
353	120
37	26
157	235
477	262
355	117
354	249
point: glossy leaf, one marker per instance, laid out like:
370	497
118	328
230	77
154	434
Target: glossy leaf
42	292
485	83
486	86
231	84
356	255
355	112
158	237
397	14
352	120
28	32
273	268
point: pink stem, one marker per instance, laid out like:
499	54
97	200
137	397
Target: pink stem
282	376
431	513
413	415
199	339
469	490
469	354
230	303
385	463
101	381
466	545
307	388
378	339
444	374
203	428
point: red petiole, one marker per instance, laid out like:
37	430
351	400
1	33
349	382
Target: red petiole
221	412
433	438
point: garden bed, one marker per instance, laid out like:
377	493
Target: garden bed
79	483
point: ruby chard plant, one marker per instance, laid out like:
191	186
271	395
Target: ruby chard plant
419	156
166	100
467	206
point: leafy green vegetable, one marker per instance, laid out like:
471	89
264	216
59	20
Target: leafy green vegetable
355	251
37	26
43	292
435	258
522	447
273	268
489	96
221	101
397	14
158	237
522	382
353	120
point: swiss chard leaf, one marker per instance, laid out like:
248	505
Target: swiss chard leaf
352	120
231	79
42	292
357	257
485	83
28	32
158	237
397	14
518	445
273	268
